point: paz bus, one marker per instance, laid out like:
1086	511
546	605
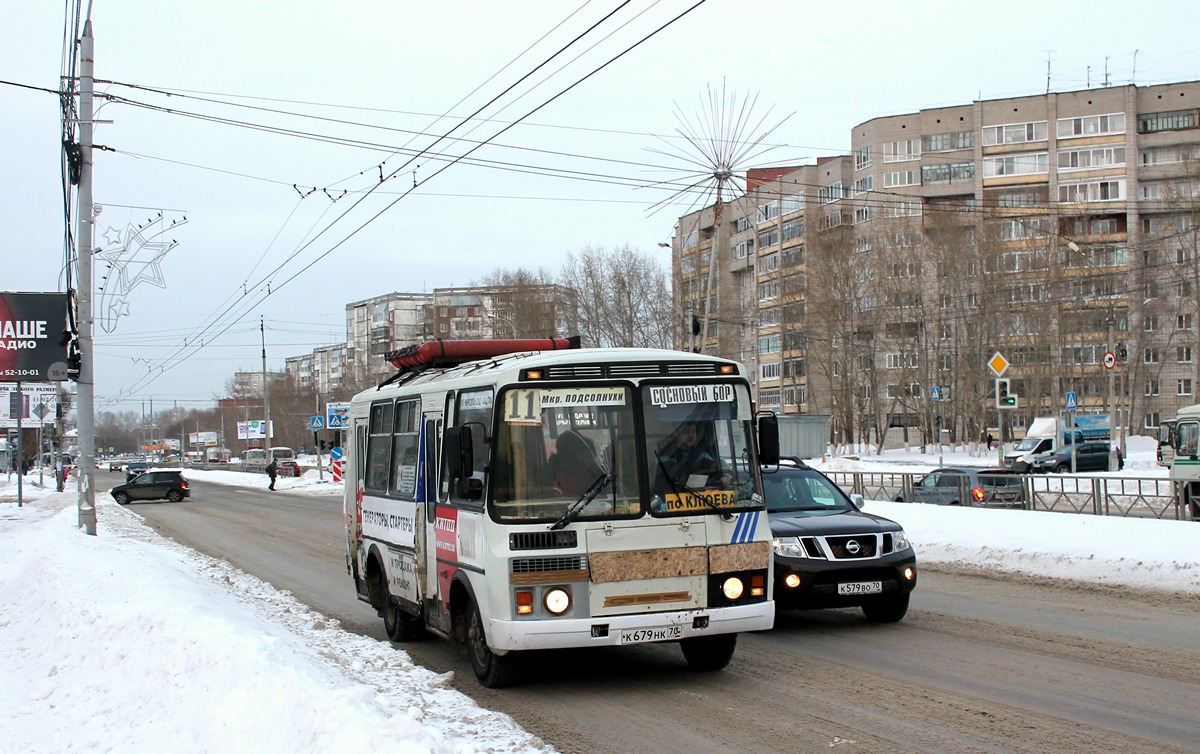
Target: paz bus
1184	452
515	495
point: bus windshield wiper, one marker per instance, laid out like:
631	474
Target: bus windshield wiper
679	486
590	494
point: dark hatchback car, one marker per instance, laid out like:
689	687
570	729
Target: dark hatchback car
983	488
154	484
1089	456
829	553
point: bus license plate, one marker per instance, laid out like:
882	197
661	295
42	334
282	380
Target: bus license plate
861	587
654	633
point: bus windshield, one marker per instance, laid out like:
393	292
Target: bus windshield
564	448
698	444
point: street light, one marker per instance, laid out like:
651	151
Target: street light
1108	346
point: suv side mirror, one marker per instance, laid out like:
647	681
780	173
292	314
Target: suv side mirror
858	501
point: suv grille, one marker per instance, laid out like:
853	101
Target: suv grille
853	547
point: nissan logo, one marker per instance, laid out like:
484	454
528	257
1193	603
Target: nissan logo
853	547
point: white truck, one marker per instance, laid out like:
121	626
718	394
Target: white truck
1048	434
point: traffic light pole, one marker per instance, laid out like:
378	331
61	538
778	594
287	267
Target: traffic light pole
999	428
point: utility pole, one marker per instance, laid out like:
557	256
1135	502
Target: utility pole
262	330
1112	413
83	315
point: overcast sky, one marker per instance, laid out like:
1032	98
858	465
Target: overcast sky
260	237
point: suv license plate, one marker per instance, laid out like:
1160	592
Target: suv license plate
861	587
654	633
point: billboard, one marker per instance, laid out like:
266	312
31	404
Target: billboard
337	416
254	430
31	328
207	439
37	405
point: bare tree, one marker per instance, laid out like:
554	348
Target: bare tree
623	295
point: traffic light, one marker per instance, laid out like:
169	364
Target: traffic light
1004	398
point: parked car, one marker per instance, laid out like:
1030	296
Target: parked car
154	484
983	488
134	468
829	553
1089	456
287	468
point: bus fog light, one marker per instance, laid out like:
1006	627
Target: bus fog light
791	580
733	588
557	601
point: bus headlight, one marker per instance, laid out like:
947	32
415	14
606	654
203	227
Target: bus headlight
557	601
732	587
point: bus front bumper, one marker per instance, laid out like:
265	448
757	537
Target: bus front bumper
617	630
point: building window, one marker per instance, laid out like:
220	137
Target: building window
768	211
768	238
1184	386
792	203
1174	120
768	317
902	178
1166	156
768	291
948	173
742	224
744	249
768	263
1091	125
1150	356
1183	322
768	344
769	371
1151	387
1090	159
1014	133
903	209
863	215
1150	323
1183	354
1153	419
832	193
793	229
904	150
769	397
862	158
1020	229
863	185
947	142
1017	164
1096	191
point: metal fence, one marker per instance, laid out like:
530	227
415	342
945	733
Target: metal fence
1141	497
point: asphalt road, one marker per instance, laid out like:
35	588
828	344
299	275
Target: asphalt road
981	664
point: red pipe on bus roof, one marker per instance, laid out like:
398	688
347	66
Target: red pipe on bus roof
461	351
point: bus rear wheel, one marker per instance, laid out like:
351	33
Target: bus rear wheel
709	653
399	625
492	670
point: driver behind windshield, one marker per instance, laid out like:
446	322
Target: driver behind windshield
687	461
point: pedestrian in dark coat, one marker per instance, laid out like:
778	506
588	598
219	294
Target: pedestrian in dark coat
272	471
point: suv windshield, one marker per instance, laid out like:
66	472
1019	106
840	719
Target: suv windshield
794	490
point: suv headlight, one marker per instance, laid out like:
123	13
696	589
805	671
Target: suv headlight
789	547
900	541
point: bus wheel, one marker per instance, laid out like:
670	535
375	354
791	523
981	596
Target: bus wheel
399	625
492	670
709	652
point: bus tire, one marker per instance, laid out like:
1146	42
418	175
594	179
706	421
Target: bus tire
493	670
399	625
708	653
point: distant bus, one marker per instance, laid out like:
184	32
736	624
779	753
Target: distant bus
254	455
218	455
281	453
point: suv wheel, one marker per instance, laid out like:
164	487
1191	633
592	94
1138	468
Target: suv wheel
886	609
1062	468
121	498
174	496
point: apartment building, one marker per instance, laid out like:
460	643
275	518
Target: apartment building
1051	228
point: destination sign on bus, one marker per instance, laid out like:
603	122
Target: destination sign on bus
676	394
688	502
525	406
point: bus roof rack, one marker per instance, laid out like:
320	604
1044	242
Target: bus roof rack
443	354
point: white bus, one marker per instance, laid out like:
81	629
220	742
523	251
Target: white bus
530	500
280	453
1185	459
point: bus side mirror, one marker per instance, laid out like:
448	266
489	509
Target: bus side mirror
768	438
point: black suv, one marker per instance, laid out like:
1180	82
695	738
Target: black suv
1089	456
133	468
828	553
154	484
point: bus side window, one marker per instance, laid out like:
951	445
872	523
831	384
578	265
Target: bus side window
1189	437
